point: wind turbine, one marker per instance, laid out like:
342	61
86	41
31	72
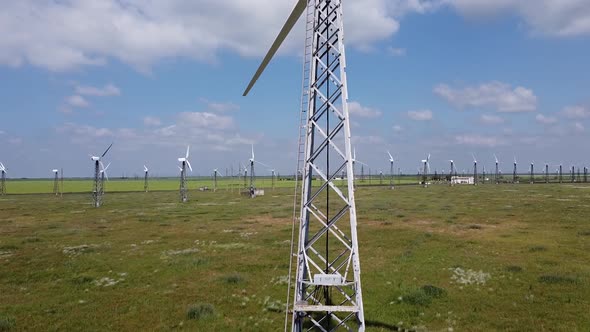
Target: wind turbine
327	293
390	170
253	161
426	163
98	191
514	171
272	174
573	174
532	172
215	174
354	161
2	179
145	178
497	174
585	174
474	169
245	170
183	164
560	173
55	182
546	172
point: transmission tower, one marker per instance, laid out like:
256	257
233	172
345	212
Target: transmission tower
327	283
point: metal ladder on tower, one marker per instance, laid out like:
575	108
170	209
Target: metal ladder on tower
303	111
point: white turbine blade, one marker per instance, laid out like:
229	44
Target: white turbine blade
187	151
101	165
107	167
179	168
145	169
496	158
354	154
252	151
474	160
390	156
107	150
263	164
105	175
189	165
295	14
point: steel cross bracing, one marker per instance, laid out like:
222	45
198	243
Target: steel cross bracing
327	284
97	190
183	189
145	182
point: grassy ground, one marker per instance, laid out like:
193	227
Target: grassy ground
508	257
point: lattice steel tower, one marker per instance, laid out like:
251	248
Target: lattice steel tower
56	182
146	184
2	179
183	190
328	293
97	190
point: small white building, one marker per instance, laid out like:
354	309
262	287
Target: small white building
462	180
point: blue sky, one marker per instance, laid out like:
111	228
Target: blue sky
446	77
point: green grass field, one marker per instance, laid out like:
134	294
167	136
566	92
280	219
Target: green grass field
470	258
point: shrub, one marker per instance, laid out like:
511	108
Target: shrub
200	311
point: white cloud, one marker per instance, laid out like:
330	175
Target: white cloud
397	128
63	35
357	110
151	121
494	95
545	119
421	115
396	51
107	90
206	120
576	112
85	131
77	101
220	106
2	132
491	119
579	127
478	140
549	17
